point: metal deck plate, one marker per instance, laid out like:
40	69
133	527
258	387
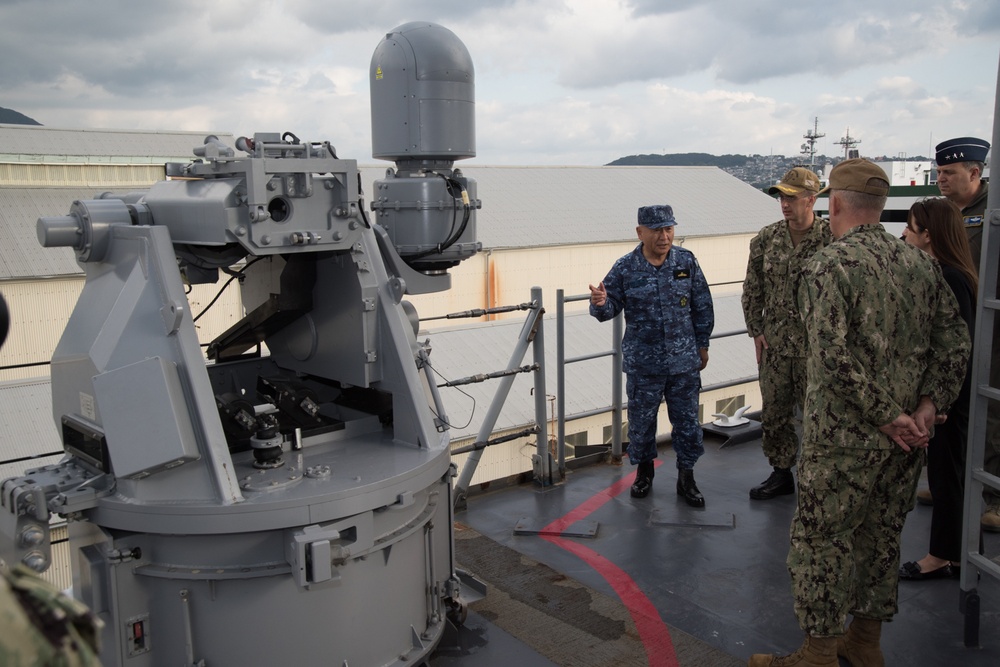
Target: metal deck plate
682	516
527	525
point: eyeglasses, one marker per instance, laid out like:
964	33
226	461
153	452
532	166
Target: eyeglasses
790	198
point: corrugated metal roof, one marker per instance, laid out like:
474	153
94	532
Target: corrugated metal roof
31	142
28	428
485	348
542	206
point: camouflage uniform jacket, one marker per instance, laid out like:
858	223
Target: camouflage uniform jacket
770	290
883	330
668	311
44	627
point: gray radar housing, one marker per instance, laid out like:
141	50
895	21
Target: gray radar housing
423	119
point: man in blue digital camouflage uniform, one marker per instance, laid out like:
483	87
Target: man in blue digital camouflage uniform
668	320
887	352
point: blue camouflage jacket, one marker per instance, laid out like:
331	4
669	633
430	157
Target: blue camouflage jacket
668	311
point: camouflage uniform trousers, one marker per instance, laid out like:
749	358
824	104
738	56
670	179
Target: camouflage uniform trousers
844	555
681	393
42	627
782	390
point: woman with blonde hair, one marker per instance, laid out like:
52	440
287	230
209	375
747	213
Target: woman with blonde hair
936	227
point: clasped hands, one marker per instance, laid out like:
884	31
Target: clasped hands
914	431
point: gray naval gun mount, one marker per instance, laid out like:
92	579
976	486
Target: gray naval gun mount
288	507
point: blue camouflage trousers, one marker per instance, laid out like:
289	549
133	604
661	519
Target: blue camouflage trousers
681	394
844	554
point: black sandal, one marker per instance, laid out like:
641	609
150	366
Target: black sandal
911	571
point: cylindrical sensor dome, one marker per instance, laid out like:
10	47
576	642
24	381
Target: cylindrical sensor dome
422	95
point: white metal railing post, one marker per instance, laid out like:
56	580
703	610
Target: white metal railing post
618	331
561	382
543	459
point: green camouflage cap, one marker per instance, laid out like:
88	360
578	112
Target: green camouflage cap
795	182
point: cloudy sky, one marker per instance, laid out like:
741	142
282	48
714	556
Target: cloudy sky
578	82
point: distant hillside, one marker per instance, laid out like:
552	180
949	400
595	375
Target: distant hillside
15	117
760	171
681	160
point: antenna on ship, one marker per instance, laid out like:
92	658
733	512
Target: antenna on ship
809	147
849	143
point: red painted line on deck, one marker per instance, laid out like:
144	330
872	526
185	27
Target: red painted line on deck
653	632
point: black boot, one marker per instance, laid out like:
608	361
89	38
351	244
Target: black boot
687	488
643	480
780	483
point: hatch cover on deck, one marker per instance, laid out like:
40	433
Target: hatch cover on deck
682	516
531	526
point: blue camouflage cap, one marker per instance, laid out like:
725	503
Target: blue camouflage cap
657	216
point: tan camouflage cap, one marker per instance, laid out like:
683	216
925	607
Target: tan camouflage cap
796	181
859	175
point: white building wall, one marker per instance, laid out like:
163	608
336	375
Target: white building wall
723	259
505	277
40	309
902	173
99	176
468	290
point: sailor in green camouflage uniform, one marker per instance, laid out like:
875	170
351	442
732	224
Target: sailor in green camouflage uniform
887	352
42	627
771	311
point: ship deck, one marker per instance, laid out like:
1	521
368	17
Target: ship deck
580	573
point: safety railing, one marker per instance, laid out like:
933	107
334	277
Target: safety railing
531	335
616	408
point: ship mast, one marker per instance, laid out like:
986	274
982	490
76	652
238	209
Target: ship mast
809	147
848	142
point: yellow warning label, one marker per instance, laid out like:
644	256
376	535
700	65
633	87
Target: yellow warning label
378	72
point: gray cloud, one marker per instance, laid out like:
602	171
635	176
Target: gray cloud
981	18
746	42
642	8
183	49
340	16
559	82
